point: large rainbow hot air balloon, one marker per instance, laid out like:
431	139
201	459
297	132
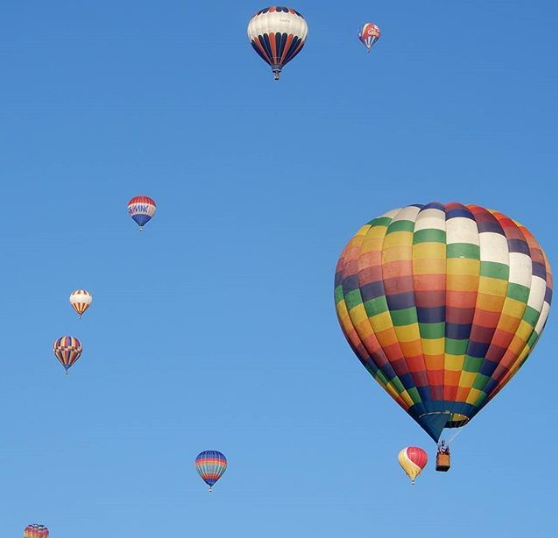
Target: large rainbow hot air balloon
142	209
369	34
277	35
211	465
35	531
412	460
443	304
81	300
67	350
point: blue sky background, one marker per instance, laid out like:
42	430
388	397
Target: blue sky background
215	328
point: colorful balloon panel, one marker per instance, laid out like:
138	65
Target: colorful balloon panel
67	350
35	531
81	300
443	304
369	34
211	465
142	209
413	460
277	34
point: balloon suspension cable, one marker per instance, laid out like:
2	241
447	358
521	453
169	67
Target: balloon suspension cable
453	437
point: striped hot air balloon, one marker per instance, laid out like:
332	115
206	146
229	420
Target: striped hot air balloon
369	34
277	35
35	531
413	460
67	350
443	304
81	300
211	465
142	209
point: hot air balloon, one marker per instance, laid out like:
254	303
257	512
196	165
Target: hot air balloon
142	209
35	531
67	350
369	34
211	465
413	460
443	304
277	35
81	300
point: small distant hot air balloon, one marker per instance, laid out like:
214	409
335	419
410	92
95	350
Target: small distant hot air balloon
142	209
67	350
369	34
81	300
277	35
35	531
413	460
211	465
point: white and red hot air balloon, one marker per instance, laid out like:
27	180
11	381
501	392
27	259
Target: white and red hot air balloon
81	300
142	209
369	34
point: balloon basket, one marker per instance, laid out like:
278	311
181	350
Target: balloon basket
443	463
276	71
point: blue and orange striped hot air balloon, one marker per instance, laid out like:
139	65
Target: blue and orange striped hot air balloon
442	304
277	34
67	350
211	464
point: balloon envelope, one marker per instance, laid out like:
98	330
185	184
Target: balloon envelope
413	460
211	464
81	300
277	34
443	304
35	531
67	350
369	34
142	209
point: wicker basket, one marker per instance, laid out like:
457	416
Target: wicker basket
443	462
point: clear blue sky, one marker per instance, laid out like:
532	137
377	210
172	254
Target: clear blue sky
215	328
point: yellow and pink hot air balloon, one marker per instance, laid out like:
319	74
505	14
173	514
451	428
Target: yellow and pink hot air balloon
413	460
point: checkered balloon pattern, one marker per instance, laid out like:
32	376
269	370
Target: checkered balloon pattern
67	350
443	304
